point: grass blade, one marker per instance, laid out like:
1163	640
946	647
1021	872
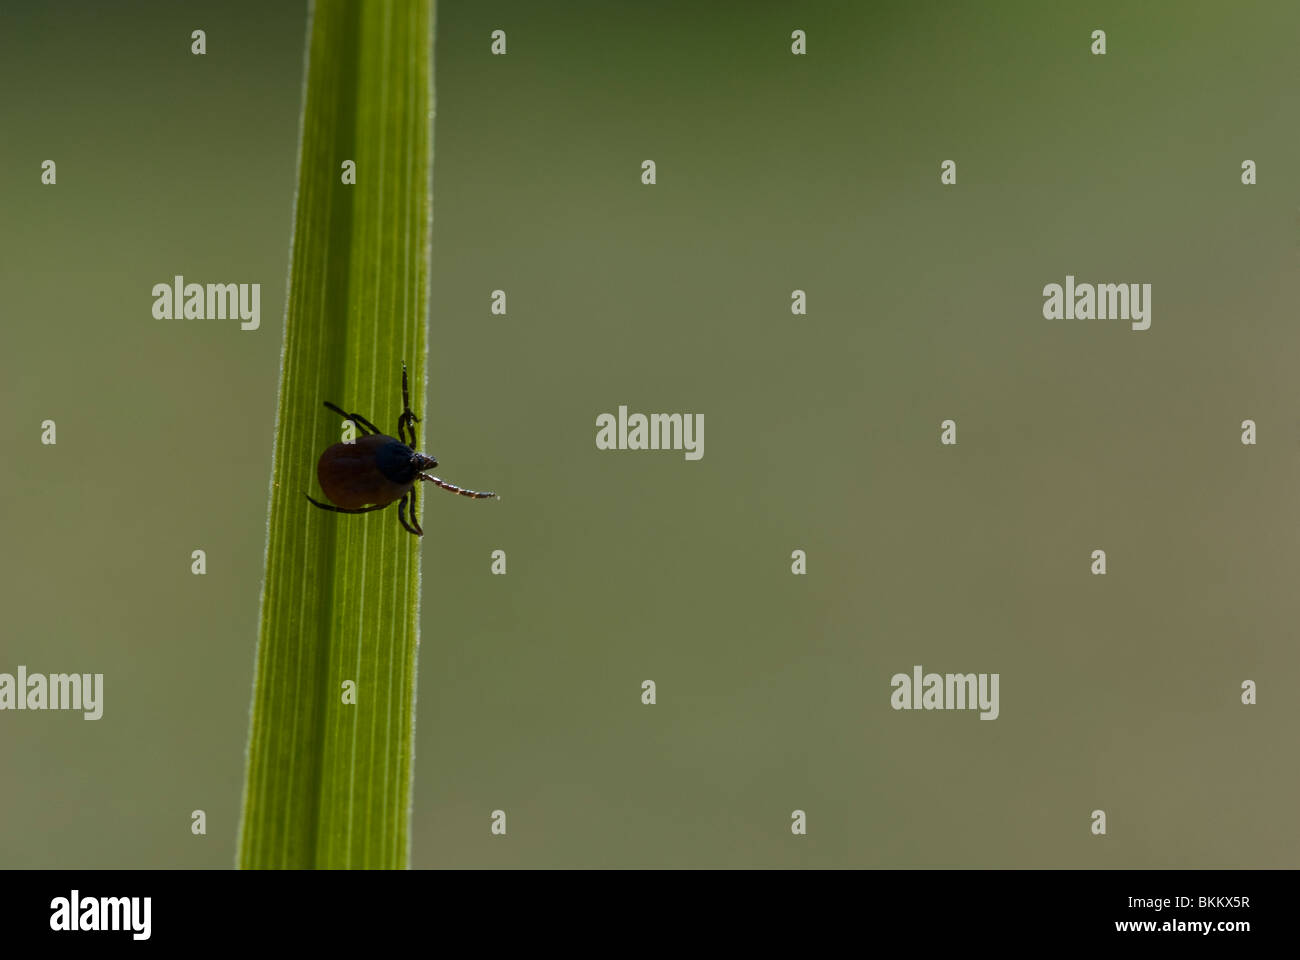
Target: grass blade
329	782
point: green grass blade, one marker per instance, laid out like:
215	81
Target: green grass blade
329	783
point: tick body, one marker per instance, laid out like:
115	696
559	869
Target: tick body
376	469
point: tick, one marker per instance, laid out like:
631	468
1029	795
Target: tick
375	469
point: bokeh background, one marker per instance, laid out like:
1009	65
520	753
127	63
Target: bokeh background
775	173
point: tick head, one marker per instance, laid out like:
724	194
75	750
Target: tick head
422	462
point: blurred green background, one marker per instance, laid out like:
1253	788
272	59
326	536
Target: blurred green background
775	173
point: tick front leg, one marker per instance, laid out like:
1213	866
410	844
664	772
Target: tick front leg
407	420
452	488
405	426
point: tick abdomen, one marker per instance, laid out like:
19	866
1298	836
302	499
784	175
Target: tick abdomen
374	470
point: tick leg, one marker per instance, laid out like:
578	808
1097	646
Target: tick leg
354	417
327	506
407	419
414	521
404	425
452	488
401	515
406	396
